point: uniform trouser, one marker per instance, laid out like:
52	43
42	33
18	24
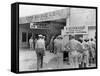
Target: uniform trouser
86	58
92	56
40	53
66	56
74	59
80	57
59	59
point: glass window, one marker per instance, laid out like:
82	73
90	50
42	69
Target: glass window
23	36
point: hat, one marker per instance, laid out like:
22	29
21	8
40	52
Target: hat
40	35
59	37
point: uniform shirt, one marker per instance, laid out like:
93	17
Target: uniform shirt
74	45
40	44
58	44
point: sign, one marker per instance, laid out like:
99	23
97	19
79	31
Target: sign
58	14
33	26
38	25
76	29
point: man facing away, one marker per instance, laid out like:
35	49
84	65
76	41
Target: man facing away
73	47
86	48
40	48
59	53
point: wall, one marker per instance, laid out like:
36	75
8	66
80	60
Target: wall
82	16
91	32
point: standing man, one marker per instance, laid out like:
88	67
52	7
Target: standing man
31	43
59	52
73	47
93	47
86	48
40	48
52	44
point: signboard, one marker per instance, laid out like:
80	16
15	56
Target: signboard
76	30
38	26
33	26
58	14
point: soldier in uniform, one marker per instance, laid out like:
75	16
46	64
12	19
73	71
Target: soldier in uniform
86	48
59	53
73	47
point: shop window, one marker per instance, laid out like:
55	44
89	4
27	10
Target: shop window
23	36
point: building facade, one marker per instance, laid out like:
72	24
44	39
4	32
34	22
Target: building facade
54	23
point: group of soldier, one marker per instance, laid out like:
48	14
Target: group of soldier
81	53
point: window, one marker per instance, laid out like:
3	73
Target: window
23	36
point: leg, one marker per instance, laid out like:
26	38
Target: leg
38	61
41	61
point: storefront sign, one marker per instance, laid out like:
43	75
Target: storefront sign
33	26
38	26
58	14
77	29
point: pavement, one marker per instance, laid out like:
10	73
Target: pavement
28	61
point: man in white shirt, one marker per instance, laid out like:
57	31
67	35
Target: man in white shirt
31	42
40	48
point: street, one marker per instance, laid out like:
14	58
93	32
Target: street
28	61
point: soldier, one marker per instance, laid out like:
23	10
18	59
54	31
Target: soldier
80	51
40	49
93	47
86	48
59	53
73	47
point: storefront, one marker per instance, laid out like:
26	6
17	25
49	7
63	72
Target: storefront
81	22
28	30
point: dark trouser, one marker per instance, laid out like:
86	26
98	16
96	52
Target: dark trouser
40	53
66	56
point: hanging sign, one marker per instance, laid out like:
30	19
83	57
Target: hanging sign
38	26
77	29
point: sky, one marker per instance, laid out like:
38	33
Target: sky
27	10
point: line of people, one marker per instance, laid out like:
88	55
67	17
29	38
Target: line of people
80	53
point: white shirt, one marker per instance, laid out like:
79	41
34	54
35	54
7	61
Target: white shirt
30	40
40	43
